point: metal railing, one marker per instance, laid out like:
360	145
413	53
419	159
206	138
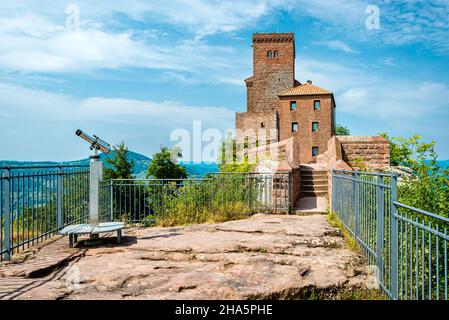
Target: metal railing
407	245
147	200
37	201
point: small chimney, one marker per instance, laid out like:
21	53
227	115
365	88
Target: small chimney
309	81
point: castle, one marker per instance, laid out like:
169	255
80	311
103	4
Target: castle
302	118
277	102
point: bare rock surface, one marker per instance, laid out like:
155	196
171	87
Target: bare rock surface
262	257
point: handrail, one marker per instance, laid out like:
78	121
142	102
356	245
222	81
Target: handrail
366	173
55	166
427	213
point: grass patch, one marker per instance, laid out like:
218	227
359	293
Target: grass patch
336	223
184	214
362	294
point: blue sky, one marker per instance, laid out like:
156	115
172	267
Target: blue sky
136	70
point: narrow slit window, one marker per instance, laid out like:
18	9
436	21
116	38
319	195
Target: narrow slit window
270	54
314	126
314	151
294	126
276	54
292	105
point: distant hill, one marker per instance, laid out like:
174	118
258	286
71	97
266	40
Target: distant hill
199	169
140	168
444	163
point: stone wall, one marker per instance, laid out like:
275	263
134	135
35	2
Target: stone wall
280	158
259	123
355	153
365	152
271	76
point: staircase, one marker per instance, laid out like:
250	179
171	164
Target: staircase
314	190
313	181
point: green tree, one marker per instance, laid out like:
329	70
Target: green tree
342	130
164	165
427	187
120	166
410	152
234	165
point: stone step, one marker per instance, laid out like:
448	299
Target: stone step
314	174
311	205
306	188
314	193
313	171
314	182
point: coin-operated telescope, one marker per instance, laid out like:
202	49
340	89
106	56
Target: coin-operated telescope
95	142
96	174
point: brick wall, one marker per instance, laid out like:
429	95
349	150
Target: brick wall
271	76
280	156
305	115
258	122
355	153
365	152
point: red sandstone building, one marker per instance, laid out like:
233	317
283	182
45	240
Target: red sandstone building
276	100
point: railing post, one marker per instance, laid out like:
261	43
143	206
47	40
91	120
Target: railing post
290	191
111	185
380	226
96	174
7	212
394	238
333	192
356	204
59	194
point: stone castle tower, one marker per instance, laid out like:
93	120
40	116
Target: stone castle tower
276	102
273	73
274	70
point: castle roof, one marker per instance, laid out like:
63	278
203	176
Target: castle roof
306	89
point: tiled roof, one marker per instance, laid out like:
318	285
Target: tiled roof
305	90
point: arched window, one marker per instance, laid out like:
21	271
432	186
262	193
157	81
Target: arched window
270	54
276	54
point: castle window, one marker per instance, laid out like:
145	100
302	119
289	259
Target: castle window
314	126
314	151
294	126
262	125
292	105
276	54
317	105
270	54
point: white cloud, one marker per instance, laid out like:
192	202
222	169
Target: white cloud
340	45
336	45
39	42
36	122
402	22
396	102
201	17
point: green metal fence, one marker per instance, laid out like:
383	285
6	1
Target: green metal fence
37	201
148	200
407	245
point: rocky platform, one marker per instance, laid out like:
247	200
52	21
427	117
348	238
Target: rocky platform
262	257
